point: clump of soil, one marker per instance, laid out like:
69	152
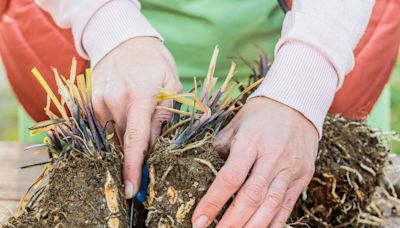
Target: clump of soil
178	180
81	184
349	165
82	191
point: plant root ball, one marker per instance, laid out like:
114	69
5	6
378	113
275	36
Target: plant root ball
349	165
178	180
82	191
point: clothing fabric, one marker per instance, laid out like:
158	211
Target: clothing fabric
99	26
331	28
191	29
30	38
375	56
289	47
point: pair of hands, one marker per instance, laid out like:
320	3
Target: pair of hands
270	148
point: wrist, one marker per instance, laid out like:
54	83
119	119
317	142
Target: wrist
137	46
292	116
302	79
113	24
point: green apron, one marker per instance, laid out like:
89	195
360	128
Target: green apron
191	29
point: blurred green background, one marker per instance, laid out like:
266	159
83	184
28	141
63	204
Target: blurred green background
9	108
395	104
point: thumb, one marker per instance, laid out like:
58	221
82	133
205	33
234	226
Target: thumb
136	141
159	116
223	141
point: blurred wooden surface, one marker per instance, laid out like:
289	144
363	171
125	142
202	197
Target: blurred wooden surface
14	181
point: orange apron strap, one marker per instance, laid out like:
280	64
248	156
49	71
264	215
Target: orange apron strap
28	38
375	58
3	6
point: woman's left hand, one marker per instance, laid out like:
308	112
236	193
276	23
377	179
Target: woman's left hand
271	150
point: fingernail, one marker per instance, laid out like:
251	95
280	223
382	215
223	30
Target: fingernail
128	190
201	222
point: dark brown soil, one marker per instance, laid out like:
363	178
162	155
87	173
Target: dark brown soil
178	180
348	168
82	191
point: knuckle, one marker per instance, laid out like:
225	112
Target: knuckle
260	179
162	115
108	101
222	149
232	179
254	194
131	165
273	150
279	148
98	104
238	139
295	168
304	183
179	88
116	90
219	144
252	142
128	170
145	103
97	98
274	200
309	171
136	94
132	136
128	167
292	171
212	207
288	205
296	160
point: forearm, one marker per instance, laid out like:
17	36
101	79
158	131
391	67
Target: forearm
99	26
314	54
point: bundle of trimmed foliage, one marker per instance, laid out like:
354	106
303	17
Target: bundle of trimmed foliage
81	184
183	163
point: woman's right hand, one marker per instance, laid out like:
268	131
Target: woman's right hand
125	82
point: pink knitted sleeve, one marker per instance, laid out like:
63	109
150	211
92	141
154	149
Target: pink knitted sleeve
314	54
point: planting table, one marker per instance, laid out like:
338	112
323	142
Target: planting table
14	181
